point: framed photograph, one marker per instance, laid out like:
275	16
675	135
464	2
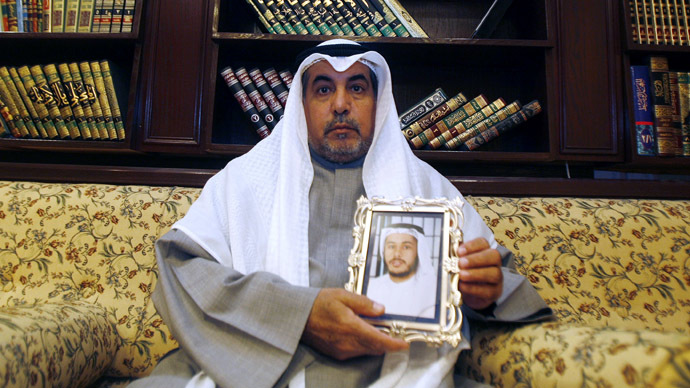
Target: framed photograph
404	258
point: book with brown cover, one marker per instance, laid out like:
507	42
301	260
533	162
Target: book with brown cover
453	118
528	111
286	77
276	84
483	125
267	93
245	102
435	115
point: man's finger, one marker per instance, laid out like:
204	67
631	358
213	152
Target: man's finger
486	258
361	305
476	245
480	291
490	275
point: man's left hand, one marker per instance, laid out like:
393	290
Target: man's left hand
481	278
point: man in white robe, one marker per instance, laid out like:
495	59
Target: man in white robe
251	279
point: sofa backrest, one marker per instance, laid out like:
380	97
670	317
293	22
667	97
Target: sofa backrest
623	263
66	242
601	262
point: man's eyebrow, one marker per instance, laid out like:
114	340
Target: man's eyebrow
322	77
358	77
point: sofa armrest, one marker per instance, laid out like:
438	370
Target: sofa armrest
556	354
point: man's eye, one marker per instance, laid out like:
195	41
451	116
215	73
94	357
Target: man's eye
323	90
357	89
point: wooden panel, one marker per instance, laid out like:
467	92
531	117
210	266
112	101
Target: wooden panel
591	114
173	72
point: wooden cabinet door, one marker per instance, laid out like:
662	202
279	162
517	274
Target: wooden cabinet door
589	57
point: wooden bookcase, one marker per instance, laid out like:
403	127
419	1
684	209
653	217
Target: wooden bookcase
122	50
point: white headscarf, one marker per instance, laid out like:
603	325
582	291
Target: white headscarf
424	265
254	214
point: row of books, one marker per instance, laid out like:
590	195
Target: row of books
454	123
261	94
661	100
660	22
64	101
336	17
112	16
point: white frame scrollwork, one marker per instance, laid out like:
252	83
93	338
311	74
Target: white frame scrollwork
446	328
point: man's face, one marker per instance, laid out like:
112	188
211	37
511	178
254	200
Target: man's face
340	110
400	255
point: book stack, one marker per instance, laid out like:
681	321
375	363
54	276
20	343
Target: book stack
261	94
63	101
455	123
336	17
660	22
112	16
661	99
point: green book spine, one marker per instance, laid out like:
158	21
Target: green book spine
408	21
112	100
528	111
363	18
475	127
282	19
266	17
350	18
96	127
314	15
92	95
60	96
28	103
453	118
435	115
44	95
73	100
35	95
102	96
376	18
303	17
390	18
292	18
336	16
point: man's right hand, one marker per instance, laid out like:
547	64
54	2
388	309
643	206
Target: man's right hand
335	328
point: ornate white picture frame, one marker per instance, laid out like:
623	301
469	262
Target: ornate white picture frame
420	294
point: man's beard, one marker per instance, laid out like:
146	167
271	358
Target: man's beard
411	270
341	152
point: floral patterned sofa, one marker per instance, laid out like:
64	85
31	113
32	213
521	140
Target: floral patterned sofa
77	269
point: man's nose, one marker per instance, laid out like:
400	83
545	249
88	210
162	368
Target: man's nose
341	101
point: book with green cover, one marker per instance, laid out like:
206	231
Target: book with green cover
406	19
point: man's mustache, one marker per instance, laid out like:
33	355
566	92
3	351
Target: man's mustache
339	120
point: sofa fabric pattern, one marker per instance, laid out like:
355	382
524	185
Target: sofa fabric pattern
65	243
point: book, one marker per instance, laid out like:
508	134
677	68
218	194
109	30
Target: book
47	15
255	96
12	21
57	18
116	19
112	99
390	18
303	17
36	98
637	21
330	7
684	95
363	18
71	15
53	79
94	100
476	123
286	77
320	12
267	93
276	84
19	123
410	24
282	19
21	14
102	95
266	18
644	111
87	99
665	133
73	101
350	18
106	15
376	17
8	119
528	111
19	103
4	14
85	20
461	134
292	17
451	120
320	23
433	116
490	21
245	103
422	107
97	15
128	15
42	131
43	94
675	103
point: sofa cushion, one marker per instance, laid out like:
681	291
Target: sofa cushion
94	243
61	345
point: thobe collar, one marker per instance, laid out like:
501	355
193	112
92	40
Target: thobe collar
323	162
